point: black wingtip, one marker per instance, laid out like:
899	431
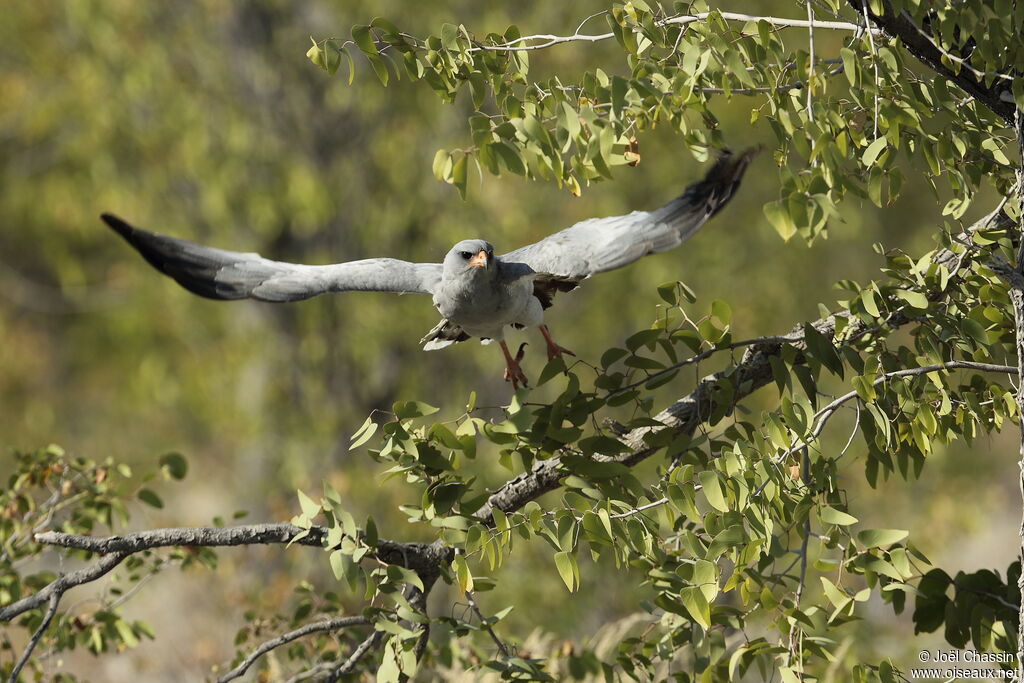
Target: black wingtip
118	225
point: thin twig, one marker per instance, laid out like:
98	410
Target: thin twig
350	664
479	615
34	640
853	433
874	62
648	506
810	64
822	416
285	638
704	355
551	40
825	413
805	476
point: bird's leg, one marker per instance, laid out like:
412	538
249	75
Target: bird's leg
514	373
554	350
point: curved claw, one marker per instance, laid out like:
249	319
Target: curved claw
554	350
513	372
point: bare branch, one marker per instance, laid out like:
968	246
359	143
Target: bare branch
550	40
285	638
810	64
34	640
796	634
349	665
419	557
59	586
703	355
138	541
1008	273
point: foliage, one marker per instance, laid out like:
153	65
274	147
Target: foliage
849	132
50	489
732	521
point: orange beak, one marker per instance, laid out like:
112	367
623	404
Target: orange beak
480	260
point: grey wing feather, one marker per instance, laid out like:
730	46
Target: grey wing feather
219	274
601	244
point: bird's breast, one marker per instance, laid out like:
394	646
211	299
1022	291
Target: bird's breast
475	303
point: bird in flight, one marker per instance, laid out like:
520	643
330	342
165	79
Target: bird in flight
477	293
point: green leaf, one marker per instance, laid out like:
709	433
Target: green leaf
510	156
973	329
915	299
711	486
667	292
867	297
829	515
850	60
777	214
331	57
337	560
442	164
565	562
873	150
309	508
126	633
875	538
174	464
727	538
460	175
462	573
722	311
149	497
697	605
835	595
363	434
405	410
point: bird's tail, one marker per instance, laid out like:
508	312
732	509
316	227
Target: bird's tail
444	334
688	212
721	182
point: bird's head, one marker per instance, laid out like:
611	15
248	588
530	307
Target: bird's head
469	256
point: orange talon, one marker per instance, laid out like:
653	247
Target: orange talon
514	373
554	350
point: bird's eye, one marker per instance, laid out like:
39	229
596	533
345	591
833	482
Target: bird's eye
466	254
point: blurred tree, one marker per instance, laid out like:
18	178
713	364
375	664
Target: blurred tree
728	514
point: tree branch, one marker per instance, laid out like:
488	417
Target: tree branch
679	20
681	418
34	640
750	374
1017	299
62	584
420	557
494	636
920	44
349	665
823	415
285	638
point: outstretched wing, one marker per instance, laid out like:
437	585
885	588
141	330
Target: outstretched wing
596	245
220	274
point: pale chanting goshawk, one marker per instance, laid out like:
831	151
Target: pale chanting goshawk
477	293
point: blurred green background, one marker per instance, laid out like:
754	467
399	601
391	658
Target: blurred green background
204	119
